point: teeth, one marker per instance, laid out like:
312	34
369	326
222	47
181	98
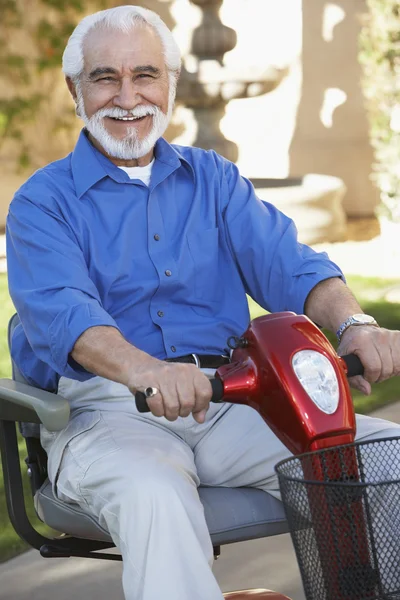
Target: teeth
128	118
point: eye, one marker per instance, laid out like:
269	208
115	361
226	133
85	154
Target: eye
106	79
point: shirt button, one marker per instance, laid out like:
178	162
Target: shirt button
173	348
168	273
160	313
156	237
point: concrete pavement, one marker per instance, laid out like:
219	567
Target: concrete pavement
261	563
268	563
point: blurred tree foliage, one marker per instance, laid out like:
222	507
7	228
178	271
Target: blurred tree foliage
380	59
37	117
18	101
33	34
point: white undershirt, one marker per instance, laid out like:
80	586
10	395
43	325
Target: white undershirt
142	173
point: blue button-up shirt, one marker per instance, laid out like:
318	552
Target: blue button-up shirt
168	264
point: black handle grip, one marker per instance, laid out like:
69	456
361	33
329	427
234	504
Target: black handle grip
217	395
141	402
354	365
217	389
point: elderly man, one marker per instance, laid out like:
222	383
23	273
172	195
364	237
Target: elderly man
126	257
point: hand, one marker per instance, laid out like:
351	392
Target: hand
182	389
379	351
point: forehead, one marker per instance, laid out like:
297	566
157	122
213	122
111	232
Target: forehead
123	50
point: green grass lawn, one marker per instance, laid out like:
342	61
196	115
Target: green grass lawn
371	294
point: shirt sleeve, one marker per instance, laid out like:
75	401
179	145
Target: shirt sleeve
278	271
49	282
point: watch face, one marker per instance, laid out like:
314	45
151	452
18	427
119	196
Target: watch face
363	318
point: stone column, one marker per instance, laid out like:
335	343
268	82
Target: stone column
334	141
210	41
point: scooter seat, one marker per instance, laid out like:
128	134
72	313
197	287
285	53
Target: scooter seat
255	595
232	515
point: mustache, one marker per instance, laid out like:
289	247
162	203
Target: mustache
118	113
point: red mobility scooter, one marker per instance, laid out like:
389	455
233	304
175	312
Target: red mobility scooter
340	498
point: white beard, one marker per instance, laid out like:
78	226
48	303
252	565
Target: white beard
130	147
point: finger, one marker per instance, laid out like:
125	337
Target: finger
186	395
200	416
395	351
363	343
156	405
203	394
371	361
360	384
171	402
387	368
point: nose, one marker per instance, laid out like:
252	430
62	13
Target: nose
127	96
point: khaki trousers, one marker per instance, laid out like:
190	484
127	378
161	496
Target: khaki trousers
138	475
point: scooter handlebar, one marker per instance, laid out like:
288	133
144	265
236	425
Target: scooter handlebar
217	395
353	363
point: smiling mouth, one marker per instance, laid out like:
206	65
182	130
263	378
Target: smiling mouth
128	119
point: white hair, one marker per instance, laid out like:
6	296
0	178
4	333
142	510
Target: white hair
123	18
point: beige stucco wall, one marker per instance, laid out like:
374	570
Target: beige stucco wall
291	130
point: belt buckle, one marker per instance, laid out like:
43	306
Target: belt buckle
196	360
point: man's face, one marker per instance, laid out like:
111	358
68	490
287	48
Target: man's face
124	95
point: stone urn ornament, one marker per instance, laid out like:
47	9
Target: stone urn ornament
209	89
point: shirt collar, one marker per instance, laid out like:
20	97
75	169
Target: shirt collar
169	155
89	165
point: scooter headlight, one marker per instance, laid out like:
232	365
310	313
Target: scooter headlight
317	376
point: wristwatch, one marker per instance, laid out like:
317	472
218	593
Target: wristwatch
359	319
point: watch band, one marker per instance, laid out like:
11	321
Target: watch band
360	320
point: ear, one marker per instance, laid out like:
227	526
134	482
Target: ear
71	87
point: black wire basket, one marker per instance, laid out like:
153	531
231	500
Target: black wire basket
343	510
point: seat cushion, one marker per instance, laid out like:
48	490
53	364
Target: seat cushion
232	515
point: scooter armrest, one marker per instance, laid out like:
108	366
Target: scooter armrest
22	402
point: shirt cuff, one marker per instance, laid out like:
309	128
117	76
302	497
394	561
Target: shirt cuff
309	282
67	327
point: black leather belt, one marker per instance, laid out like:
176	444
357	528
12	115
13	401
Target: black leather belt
203	361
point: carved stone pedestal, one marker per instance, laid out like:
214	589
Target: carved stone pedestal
209	89
314	202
